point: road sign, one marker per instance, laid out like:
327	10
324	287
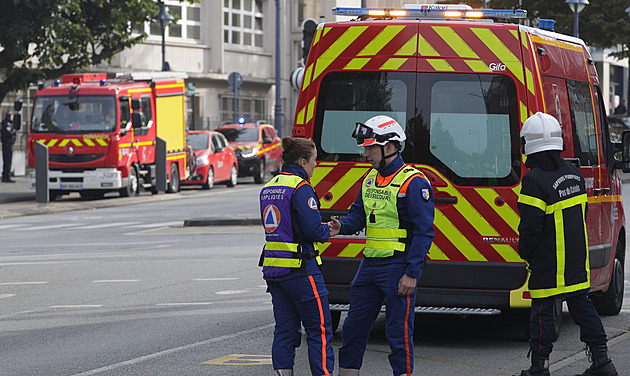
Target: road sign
235	79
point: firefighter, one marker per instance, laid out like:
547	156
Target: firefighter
291	262
395	206
553	243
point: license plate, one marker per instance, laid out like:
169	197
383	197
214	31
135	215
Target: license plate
71	186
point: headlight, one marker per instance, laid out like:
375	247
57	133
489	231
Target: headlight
203	160
249	152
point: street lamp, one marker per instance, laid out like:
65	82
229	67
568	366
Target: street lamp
576	6
165	18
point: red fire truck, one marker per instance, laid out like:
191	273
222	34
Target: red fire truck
101	134
462	86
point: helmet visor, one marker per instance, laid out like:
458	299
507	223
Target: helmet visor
362	132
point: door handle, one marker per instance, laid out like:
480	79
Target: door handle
597	191
606	190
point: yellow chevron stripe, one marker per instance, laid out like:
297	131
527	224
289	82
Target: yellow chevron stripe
318	34
505	211
51	143
341	186
408	48
503	53
357	63
319	173
351	250
393	63
457	238
335	49
101	142
425	48
478	66
300	117
523	111
384	37
440	65
64	142
508	252
461	48
529	76
88	142
76	142
311	109
307	76
436	254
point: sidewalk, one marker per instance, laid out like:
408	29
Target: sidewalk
16	192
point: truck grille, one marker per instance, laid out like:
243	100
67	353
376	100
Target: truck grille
77	158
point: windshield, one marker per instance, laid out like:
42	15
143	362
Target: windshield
87	114
198	141
465	125
240	134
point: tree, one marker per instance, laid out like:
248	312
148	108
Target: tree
43	39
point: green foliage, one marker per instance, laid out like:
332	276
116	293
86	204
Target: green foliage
43	39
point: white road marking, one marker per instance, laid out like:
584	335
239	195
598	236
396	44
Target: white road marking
36	263
3	296
232	292
23	283
78	306
104	225
163	224
215	279
173	351
115	280
4	227
38	228
184	304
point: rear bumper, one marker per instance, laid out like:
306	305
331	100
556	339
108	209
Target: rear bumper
444	283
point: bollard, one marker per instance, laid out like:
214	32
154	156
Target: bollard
160	166
41	173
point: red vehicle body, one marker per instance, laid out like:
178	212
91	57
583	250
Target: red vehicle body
101	134
216	161
257	148
462	89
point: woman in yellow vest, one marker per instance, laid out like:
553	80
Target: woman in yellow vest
395	206
291	262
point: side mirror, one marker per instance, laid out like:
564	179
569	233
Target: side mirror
625	151
267	141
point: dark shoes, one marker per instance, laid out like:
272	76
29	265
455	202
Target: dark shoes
540	367
7	180
601	363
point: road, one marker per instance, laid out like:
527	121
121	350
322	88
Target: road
128	291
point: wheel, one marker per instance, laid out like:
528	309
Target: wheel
210	181
260	177
173	184
610	302
233	177
336	317
132	185
91	195
557	315
52	195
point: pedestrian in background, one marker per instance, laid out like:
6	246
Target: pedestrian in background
553	242
395	206
8	135
291	262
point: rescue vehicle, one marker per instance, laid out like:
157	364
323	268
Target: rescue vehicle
462	83
101	134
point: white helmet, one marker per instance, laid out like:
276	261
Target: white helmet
378	130
541	132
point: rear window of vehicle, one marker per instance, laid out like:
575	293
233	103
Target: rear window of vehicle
198	141
465	125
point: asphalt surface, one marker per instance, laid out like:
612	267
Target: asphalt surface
17	200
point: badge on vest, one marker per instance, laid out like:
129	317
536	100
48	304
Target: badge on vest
426	195
271	218
369	182
312	203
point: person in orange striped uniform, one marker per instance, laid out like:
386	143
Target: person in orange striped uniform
291	264
396	207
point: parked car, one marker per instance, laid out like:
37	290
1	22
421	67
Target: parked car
257	146
616	125
216	160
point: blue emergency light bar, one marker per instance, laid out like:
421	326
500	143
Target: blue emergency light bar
444	12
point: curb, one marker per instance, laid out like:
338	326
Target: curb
195	222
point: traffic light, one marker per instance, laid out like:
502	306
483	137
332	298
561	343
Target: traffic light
309	26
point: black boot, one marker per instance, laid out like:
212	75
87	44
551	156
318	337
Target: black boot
540	367
601	363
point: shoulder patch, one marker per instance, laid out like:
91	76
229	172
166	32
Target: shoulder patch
426	195
312	203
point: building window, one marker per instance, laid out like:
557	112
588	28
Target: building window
251	108
187	26
243	22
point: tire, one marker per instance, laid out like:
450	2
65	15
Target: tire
260	176
233	177
336	318
173	183
52	195
210	180
132	187
610	302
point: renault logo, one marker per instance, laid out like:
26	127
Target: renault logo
70	150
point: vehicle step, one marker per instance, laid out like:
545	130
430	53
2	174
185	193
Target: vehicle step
437	310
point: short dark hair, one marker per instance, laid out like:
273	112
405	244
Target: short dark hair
295	149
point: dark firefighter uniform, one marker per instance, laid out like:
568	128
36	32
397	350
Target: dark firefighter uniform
291	267
553	242
396	208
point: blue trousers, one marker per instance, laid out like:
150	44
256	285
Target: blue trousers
374	284
7	157
583	314
296	302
